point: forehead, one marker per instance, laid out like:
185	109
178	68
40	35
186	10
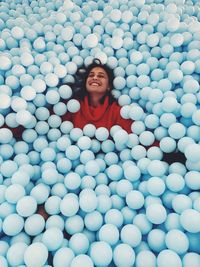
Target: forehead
98	70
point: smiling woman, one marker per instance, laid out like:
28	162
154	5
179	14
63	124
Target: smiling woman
93	88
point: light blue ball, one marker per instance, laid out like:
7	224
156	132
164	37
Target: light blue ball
136	113
14	192
79	243
177	130
189	220
146	138
104	203
138	199
156	240
74	224
191	259
55	221
114	216
7	226
92	168
81	260
138	152
6	135
69	205
156	168
49	176
114	172
175	182
123	255
52	238
177	241
156	213
36	255
52	205
156	186
72	152
192	180
149	256
3	261
101	134
15	254
168	256
84	143
173	222
141	221
34	225
26	206
40	193
109	233
192	152
88	200
95	253
181	202
167	144
72	181
131	230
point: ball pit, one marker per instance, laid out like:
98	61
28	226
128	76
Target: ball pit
89	197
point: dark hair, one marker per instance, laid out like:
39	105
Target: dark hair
80	77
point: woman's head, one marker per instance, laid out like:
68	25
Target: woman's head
95	78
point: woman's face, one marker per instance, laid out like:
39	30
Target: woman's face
97	82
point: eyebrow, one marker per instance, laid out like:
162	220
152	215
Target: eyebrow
98	72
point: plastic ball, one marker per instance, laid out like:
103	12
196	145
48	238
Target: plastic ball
149	256
15	254
156	213
123	254
109	233
69	205
95	253
168	256
191	258
177	241
189	219
88	200
52	238
81	260
7	226
131	230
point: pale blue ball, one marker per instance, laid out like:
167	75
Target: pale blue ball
123	255
181	202
93	221
156	168
138	198
14	192
155	186
114	172
101	134
167	144
195	117
123	187
69	205
192	152
52	238
6	135
121	137
55	221
26	206
156	213
156	240
173	222
104	203
138	152
132	173
177	241
15	254
79	243
191	259
96	250
131	230
84	143
114	216
189	220
49	176
192	180
72	152
75	134
146	138
52	205
86	156
88	200
149	256
3	261
177	130
36	254
34	225
72	181
136	113
111	158
167	257
109	233
175	182
92	168
74	224
8	222
141	221
40	192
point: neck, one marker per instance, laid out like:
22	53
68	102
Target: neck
94	100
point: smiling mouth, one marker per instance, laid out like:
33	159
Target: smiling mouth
95	84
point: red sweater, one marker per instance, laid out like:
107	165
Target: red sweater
104	115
